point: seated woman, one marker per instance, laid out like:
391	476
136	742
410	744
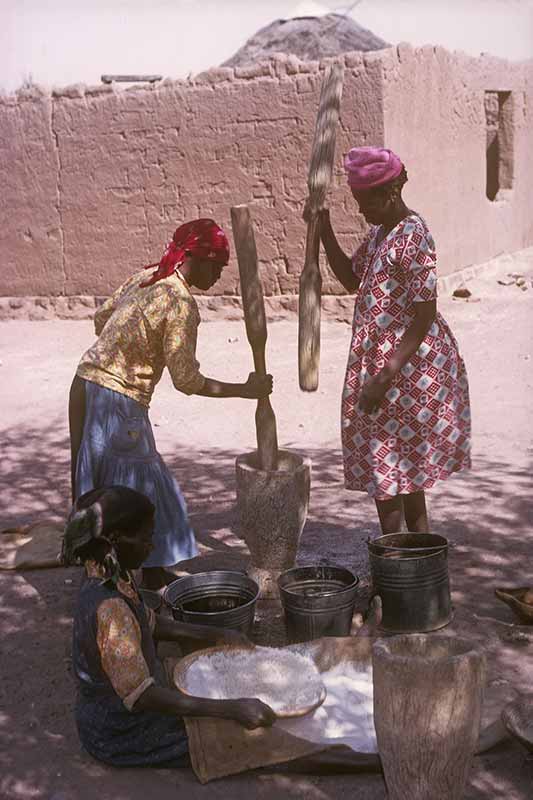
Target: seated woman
126	712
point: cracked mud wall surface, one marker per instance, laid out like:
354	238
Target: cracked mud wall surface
30	221
97	179
126	167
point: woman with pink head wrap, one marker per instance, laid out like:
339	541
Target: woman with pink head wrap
405	406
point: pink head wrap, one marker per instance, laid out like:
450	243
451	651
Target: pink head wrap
367	167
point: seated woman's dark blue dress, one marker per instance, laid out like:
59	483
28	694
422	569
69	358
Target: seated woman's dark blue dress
108	730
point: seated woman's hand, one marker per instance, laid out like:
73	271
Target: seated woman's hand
253	713
258	386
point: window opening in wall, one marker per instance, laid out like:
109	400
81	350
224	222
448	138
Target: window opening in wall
500	161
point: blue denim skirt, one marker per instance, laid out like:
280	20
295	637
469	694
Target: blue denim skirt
118	447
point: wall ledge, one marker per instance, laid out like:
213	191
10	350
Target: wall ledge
335	307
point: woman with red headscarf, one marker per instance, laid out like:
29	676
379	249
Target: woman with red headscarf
405	404
145	326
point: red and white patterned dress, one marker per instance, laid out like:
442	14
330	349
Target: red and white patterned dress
421	433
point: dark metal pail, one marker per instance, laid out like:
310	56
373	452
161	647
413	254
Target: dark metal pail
410	574
317	601
220	598
412	543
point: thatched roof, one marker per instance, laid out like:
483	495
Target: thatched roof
309	38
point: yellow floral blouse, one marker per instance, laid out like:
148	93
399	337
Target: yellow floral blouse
119	641
142	331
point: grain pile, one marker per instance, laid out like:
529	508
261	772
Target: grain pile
287	682
347	714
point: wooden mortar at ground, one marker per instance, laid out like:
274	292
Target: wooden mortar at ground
256	330
428	695
320	172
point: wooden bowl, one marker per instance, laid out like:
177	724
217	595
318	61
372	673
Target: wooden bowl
514	598
183	666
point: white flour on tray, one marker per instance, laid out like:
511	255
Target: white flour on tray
347	714
283	680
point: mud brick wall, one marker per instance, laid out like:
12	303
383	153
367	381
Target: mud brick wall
439	114
95	179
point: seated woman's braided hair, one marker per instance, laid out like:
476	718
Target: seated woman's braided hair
98	519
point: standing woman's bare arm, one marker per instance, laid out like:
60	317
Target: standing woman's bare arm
339	262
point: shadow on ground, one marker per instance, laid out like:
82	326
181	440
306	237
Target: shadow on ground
486	514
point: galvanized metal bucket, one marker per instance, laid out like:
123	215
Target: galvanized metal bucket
413	543
317	601
410	574
219	598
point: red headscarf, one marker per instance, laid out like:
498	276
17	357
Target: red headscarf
202	238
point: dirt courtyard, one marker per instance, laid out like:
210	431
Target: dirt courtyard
486	514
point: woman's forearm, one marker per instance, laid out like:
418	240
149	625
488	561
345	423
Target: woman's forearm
170	630
411	340
339	262
251	713
214	388
172	701
256	386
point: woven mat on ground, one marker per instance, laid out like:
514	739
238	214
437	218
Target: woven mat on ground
34	546
219	748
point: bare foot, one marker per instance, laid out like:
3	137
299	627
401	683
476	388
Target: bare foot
373	618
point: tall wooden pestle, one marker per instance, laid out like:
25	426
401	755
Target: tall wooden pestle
309	299
256	330
319	178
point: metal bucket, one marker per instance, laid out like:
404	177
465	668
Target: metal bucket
317	601
412	543
412	581
219	598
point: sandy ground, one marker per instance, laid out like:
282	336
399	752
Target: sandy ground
486	513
